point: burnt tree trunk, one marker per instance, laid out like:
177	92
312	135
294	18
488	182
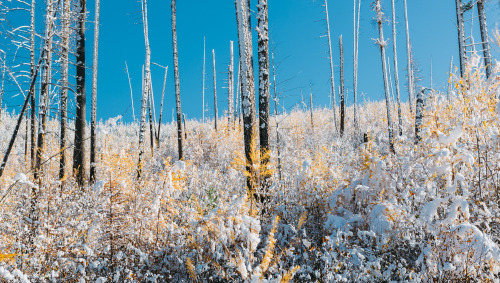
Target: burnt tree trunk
342	88
79	153
180	136
93	115
263	55
485	38
64	86
215	90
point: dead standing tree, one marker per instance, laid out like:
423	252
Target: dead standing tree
80	121
248	87
215	91
180	136
382	43
461	36
146	86
230	85
342	89
44	95
33	99
408	56
93	102
485	38
332	79
64	85
264	92
356	49
396	73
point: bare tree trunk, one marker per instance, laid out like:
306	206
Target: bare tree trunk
449	79
408	55
236	109
356	48
264	92
276	118
80	121
161	107
44	96
151	126
203	91
248	87
185	128
230	85
311	107
419	115
32	91
215	90
461	39
485	38
3	86
131	93
146	86
180	136
342	89
396	71
382	43
93	106
64	87
332	80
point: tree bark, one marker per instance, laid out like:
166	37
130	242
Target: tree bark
44	95
248	87
382	43
93	142
180	136
215	90
79	153
419	115
32	91
342	88
408	56
355	79
161	107
230	86
332	79
203	90
461	37
396	71
64	87
263	56
145	89
485	38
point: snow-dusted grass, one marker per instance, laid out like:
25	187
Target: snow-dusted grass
343	210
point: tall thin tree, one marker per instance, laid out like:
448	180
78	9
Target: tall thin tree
32	91
264	92
44	95
93	141
485	38
3	86
356	48
161	107
145	88
248	87
180	136
332	79
230	85
408	56
215	90
396	71
382	43
203	79
448	96
461	36
81	102
64	86
342	88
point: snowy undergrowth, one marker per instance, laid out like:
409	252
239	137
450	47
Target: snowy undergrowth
343	210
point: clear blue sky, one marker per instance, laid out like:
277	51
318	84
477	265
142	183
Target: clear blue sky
297	31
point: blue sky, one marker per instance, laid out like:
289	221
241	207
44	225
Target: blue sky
297	31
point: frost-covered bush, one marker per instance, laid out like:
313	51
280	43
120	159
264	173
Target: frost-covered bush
342	210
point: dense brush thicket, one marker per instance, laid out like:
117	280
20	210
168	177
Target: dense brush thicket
343	210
